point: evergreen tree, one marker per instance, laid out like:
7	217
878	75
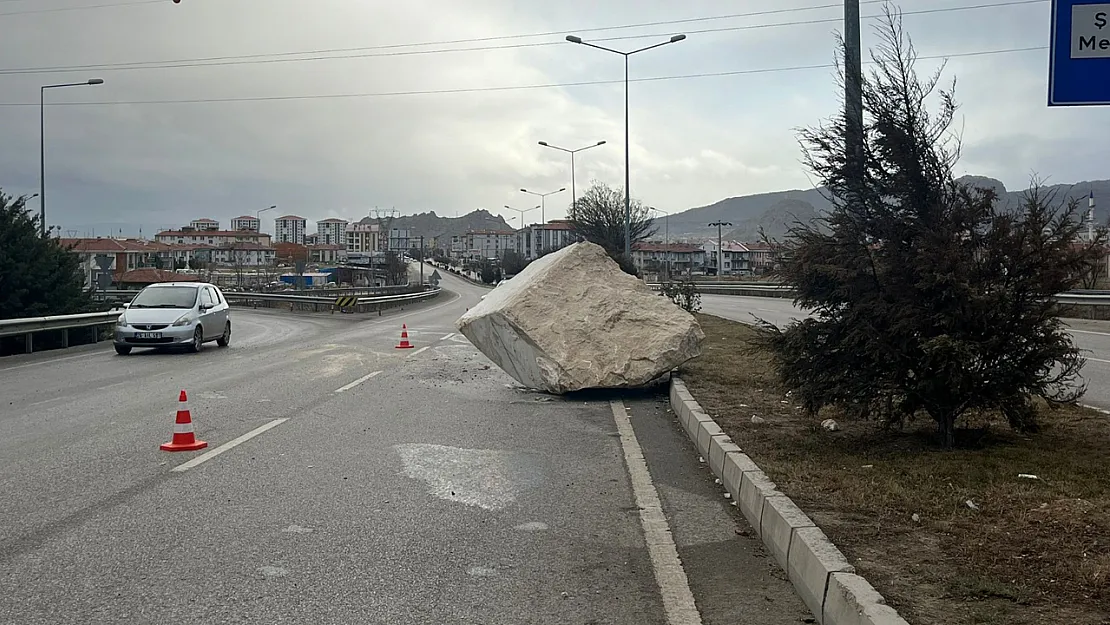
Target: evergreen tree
38	277
927	296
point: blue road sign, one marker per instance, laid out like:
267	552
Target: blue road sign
1079	55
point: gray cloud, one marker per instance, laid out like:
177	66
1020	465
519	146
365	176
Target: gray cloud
694	141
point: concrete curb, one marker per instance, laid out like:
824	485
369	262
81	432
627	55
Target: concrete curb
821	575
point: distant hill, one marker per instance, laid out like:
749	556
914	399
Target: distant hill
776	211
430	226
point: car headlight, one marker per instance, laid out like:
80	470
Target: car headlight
183	320
121	321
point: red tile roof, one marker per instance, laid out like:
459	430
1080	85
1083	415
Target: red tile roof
287	217
242	217
332	220
150	275
327	246
108	245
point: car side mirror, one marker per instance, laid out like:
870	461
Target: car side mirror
127	304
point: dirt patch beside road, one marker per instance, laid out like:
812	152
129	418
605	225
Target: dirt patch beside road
1030	551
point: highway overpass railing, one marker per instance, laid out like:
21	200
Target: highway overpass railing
96	322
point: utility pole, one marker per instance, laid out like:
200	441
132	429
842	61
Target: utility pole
422	261
720	250
853	94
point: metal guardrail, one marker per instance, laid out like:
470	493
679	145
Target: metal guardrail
315	302
27	327
1071	298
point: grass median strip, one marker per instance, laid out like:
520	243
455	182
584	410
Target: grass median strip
1006	528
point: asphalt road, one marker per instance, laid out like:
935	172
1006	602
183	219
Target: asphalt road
381	486
1091	336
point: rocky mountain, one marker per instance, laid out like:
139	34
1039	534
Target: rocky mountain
430	226
775	212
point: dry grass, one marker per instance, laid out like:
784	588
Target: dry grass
1034	552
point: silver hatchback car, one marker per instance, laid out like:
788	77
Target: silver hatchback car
174	314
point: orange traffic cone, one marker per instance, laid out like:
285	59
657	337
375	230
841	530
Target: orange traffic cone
404	344
183	438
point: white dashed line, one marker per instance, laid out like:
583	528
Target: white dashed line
447	336
678	600
347	387
419	350
205	457
1073	331
1096	359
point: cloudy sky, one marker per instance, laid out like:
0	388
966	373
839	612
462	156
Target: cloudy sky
328	108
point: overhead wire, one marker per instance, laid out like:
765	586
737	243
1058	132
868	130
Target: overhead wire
390	50
506	87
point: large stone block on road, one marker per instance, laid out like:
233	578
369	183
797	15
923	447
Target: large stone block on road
573	320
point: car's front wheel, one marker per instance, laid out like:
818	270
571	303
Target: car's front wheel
123	350
198	340
225	338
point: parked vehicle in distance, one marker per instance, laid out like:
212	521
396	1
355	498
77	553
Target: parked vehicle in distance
174	314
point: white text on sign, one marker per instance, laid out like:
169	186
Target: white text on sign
1090	31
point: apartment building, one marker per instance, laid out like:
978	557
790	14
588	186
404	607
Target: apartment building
211	237
290	229
362	238
331	232
205	224
481	244
539	238
682	257
246	222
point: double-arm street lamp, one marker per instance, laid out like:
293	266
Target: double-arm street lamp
720	248
543	209
627	174
573	190
42	143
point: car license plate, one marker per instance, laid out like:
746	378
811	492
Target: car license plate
148	335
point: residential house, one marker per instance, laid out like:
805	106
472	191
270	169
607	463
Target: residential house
139	278
290	253
760	257
246	222
327	253
735	257
290	229
332	231
536	239
212	237
682	257
205	224
362	238
126	254
311	239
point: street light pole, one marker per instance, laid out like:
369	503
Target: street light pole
666	239
258	216
522	227
573	190
543	208
627	161
720	250
42	143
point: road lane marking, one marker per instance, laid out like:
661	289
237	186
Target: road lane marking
208	455
1096	359
1088	332
347	387
51	361
678	600
1095	408
419	350
447	336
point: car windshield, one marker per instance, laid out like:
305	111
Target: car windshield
166	297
